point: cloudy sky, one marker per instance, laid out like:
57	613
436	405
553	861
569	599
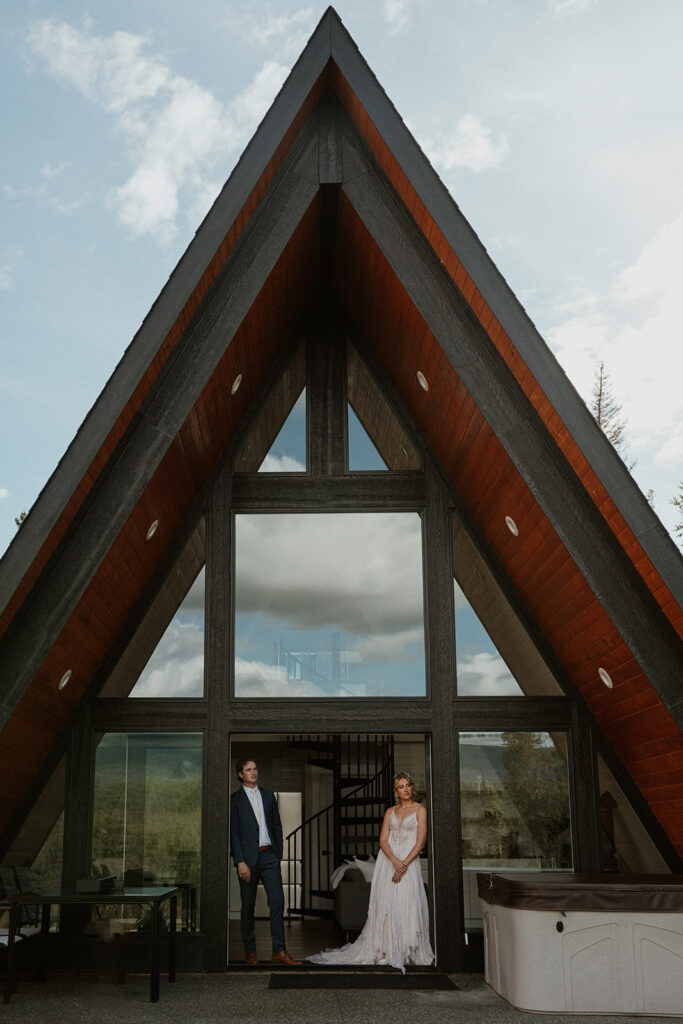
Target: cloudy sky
556	125
313	584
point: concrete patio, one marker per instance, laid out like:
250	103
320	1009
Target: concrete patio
243	998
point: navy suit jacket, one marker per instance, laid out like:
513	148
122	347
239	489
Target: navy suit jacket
244	834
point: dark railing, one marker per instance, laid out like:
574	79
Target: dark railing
362	768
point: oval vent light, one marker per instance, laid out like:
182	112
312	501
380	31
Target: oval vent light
153	529
512	526
606	678
65	679
422	380
236	383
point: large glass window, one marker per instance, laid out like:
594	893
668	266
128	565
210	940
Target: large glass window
147	812
514	790
329	605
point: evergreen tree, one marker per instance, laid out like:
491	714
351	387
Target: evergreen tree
678	502
606	409
18	520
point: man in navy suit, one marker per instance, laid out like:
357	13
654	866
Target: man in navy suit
256	845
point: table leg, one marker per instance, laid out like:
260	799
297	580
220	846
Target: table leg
154	972
44	939
14	914
171	939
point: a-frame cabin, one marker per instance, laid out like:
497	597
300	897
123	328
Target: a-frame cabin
335	264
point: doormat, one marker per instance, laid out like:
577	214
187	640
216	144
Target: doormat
348	980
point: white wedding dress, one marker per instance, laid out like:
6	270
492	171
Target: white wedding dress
397	929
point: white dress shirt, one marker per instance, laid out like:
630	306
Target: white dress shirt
256	801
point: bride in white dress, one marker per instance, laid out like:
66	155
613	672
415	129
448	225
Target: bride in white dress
397	928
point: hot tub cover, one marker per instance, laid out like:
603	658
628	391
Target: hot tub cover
555	890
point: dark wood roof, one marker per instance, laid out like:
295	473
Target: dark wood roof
591	561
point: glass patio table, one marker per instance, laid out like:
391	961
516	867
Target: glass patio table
154	896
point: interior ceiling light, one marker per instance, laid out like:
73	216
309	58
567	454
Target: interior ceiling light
236	383
153	529
65	679
403	449
512	526
422	380
606	678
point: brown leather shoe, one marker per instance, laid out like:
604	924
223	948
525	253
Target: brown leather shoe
251	958
284	958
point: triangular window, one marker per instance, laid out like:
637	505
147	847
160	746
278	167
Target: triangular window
287	454
277	441
378	422
481	670
495	655
166	656
363	454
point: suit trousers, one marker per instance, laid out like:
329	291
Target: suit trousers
266	870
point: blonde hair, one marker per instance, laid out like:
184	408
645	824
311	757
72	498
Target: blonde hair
397	778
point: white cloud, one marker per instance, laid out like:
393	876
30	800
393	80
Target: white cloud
52	170
565	8
671	452
4	493
485	675
6	277
288	31
109	70
281	464
637	332
176	668
38	194
251	105
177	133
255	679
470	147
360	572
389	648
396	14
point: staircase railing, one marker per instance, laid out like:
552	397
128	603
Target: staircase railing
349	825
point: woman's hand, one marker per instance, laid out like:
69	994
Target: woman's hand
400	869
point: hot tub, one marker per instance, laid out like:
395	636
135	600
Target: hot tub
560	942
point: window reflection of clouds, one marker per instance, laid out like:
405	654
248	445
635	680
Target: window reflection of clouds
329	604
288	451
481	670
176	667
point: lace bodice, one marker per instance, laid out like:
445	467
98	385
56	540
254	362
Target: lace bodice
402	834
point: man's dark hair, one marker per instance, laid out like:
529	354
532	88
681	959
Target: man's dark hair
241	763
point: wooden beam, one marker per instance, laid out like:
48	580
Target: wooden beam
218	672
444	826
330	716
357	491
327	392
